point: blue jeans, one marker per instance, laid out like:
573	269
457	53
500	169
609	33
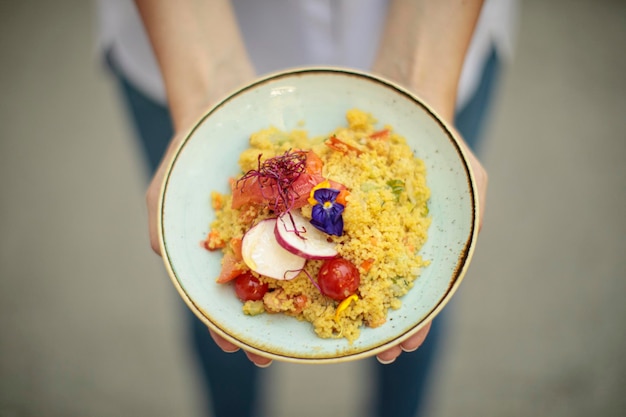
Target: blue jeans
231	378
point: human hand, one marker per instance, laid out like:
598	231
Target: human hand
423	49
481	179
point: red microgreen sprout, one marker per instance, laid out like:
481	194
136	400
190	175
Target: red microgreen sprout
315	284
295	230
278	174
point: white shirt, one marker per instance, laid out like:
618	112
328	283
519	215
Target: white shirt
280	34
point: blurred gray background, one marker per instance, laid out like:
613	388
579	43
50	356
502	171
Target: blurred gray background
91	326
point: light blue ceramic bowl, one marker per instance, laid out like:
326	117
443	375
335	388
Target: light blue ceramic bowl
320	97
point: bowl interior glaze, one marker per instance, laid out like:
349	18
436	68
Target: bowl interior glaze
315	99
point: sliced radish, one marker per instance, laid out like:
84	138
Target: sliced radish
308	242
262	253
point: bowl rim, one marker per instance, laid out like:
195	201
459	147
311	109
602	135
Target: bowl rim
463	260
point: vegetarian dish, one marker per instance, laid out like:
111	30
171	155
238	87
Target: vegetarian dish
325	229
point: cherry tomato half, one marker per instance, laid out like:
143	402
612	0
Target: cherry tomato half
248	287
338	278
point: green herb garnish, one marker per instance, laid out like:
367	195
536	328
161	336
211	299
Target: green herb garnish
397	187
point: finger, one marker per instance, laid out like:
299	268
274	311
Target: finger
228	347
224	344
415	341
409	345
154	192
482	181
152	202
260	361
480	176
389	355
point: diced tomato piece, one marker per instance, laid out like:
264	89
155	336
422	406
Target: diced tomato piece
246	192
302	188
248	213
235	245
338	145
231	268
341	197
367	264
381	134
214	241
314	163
217	200
409	247
299	302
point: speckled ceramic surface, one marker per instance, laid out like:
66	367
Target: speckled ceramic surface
319	97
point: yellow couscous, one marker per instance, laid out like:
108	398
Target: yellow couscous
385	223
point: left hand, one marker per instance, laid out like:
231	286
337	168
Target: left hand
415	341
421	53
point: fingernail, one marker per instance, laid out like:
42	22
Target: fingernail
263	365
385	362
409	350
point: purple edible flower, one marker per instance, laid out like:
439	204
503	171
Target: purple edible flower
326	214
